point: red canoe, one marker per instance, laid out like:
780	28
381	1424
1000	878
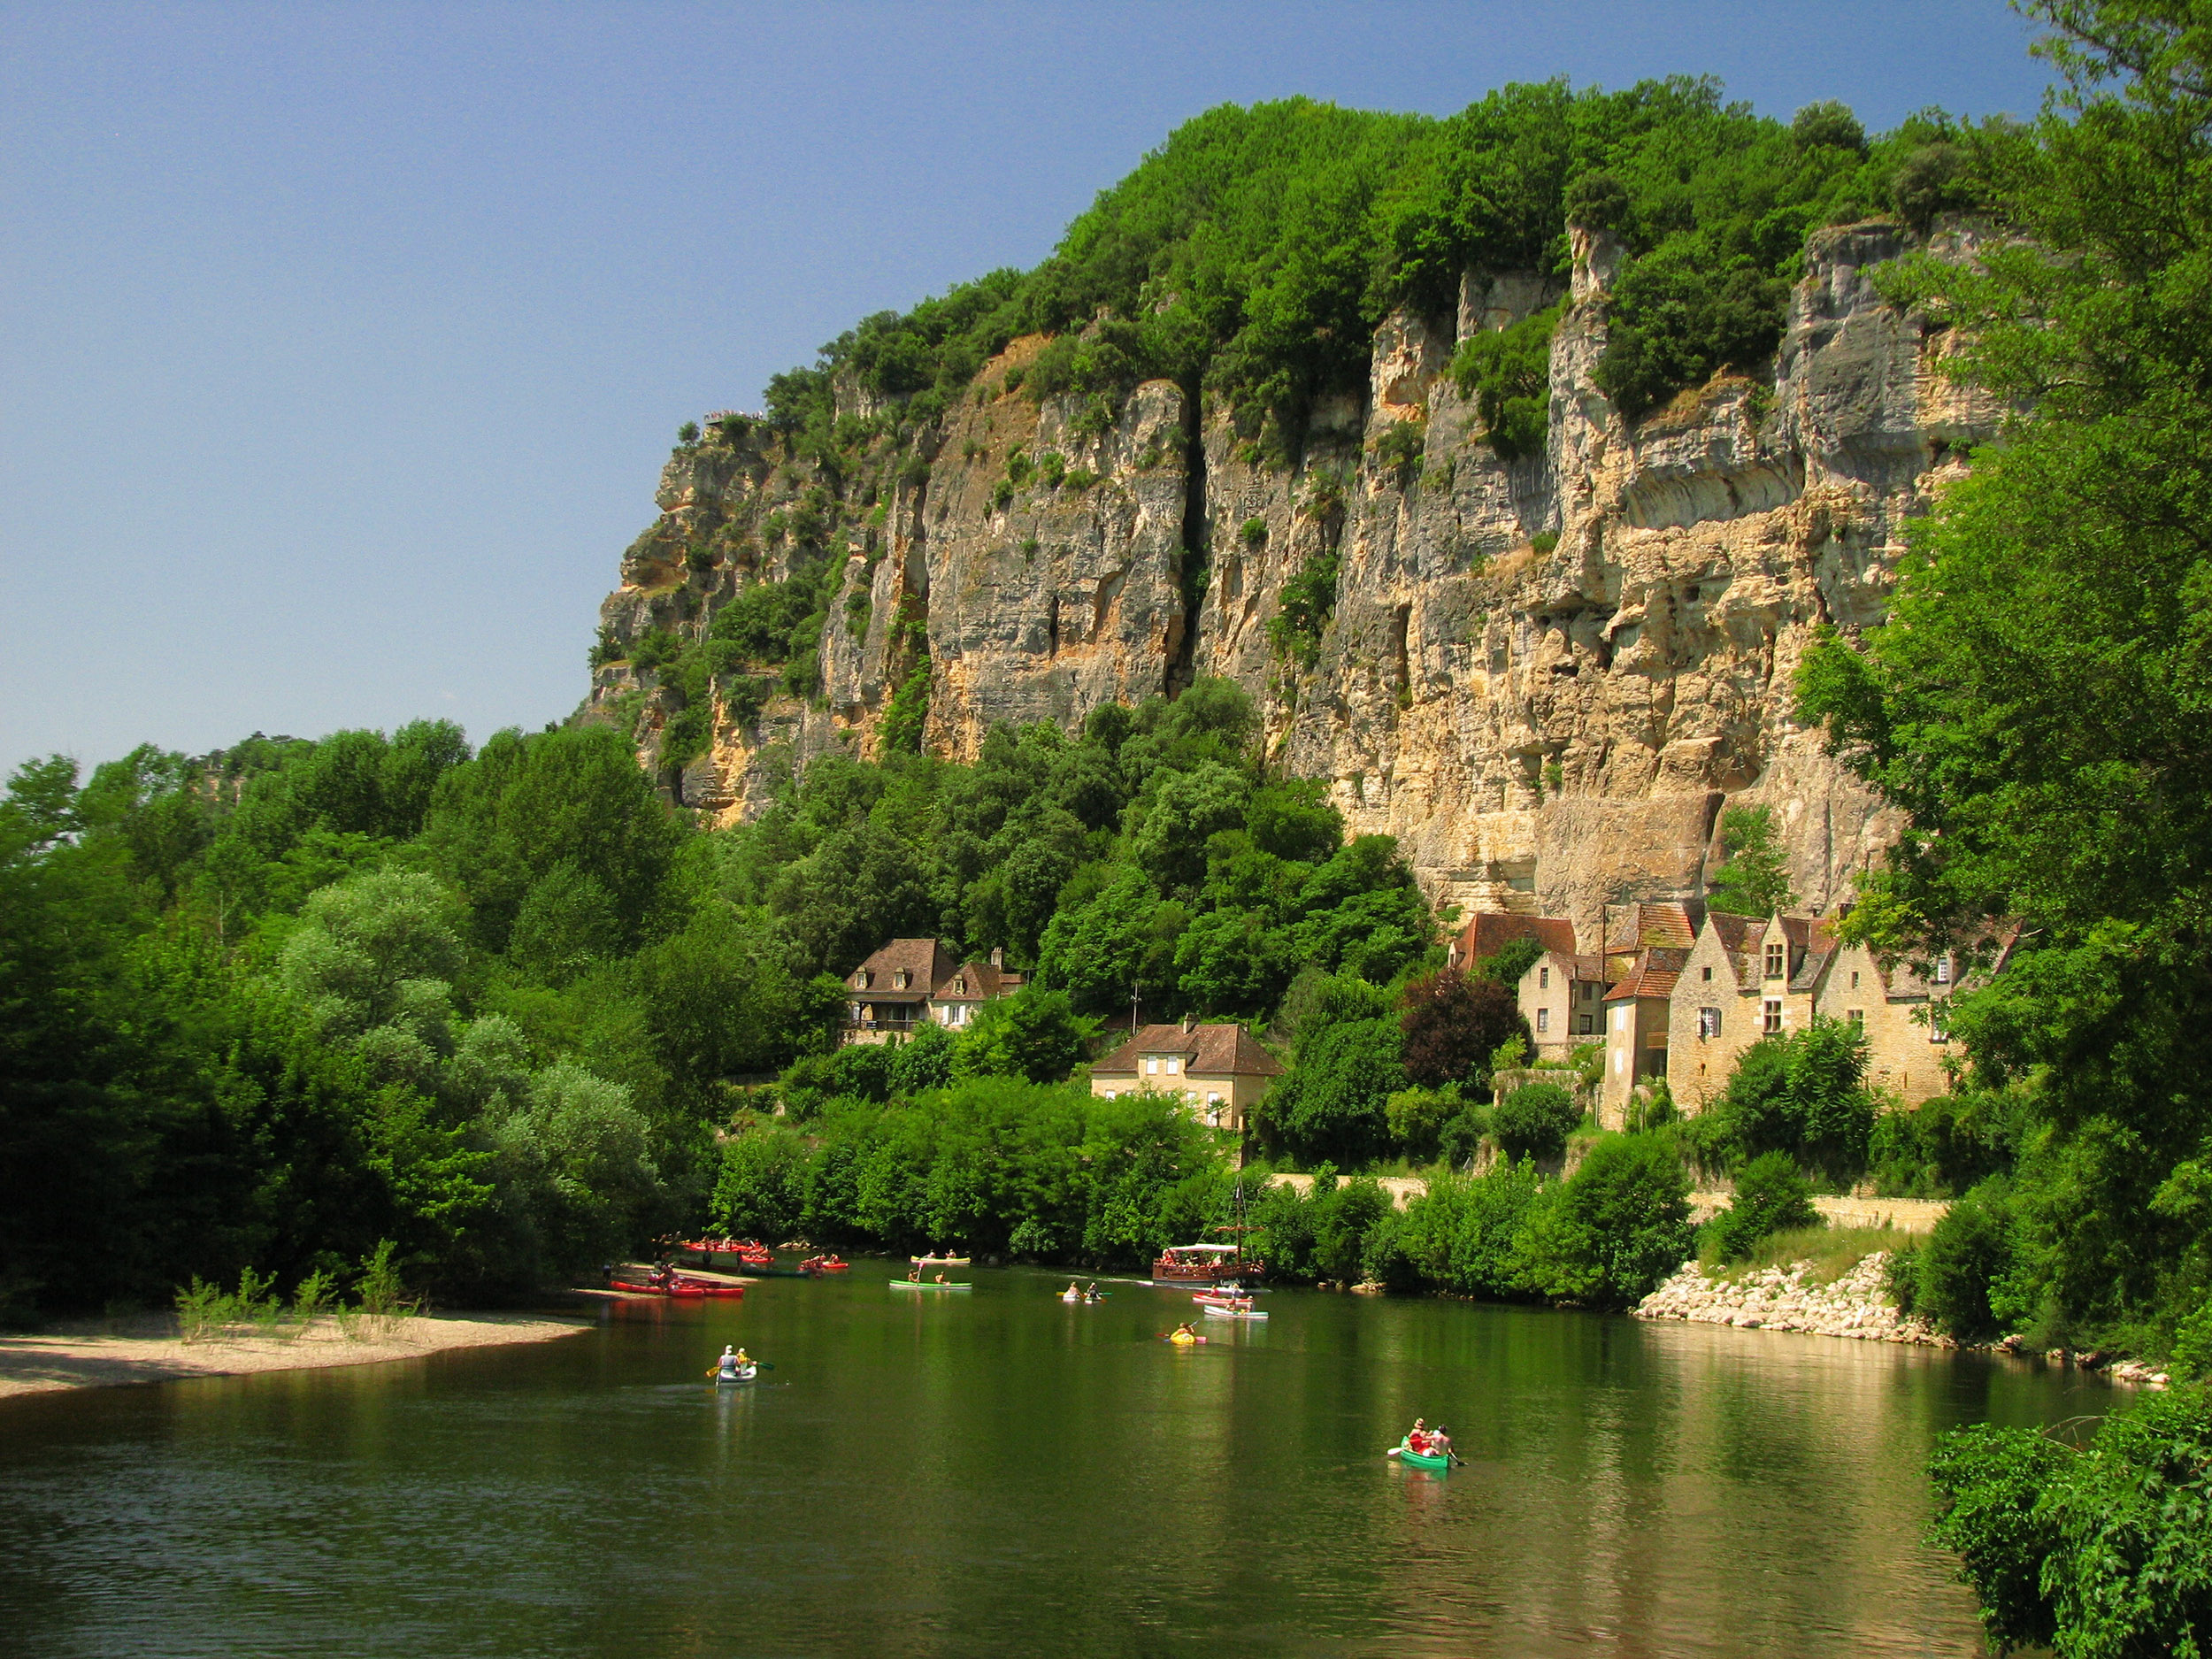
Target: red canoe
679	1287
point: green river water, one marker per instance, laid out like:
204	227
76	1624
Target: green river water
998	1472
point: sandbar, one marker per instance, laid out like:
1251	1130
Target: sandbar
105	1353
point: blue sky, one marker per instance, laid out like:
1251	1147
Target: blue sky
345	342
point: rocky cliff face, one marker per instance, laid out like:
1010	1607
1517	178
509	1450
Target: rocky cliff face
1545	676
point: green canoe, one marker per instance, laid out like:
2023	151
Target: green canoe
1422	1460
908	1284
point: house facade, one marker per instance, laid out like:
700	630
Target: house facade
1901	1011
1744	978
1639	1012
1563	998
912	982
1218	1069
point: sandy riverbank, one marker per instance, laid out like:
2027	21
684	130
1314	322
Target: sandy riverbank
101	1354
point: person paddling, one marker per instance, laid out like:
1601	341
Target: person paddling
1418	1436
726	1368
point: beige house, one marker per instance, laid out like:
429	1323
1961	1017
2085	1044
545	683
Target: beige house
1638	1010
1563	997
1744	980
910	982
1219	1070
1900	1010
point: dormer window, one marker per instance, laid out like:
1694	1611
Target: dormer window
1777	961
901	980
960	985
863	980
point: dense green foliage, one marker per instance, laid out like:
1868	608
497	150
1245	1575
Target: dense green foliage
1507	373
267	1008
2038	704
2103	1553
1535	1120
984	1164
1771	1196
1254	252
1604	1237
1803	1094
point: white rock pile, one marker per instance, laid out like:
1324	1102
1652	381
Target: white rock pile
1780	1299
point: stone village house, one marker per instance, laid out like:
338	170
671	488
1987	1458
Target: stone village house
911	981
1748	978
1217	1068
1680	993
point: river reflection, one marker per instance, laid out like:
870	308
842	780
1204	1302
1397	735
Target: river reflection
999	1471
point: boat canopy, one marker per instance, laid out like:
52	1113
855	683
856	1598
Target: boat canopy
1207	1249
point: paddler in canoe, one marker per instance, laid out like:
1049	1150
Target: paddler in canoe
1183	1336
734	1366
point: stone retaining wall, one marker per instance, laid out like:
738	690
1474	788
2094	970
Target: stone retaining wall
1916	1216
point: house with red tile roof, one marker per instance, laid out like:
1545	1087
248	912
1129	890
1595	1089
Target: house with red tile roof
1217	1068
1486	933
910	982
1638	1010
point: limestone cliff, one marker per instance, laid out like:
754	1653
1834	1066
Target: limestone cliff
1544	675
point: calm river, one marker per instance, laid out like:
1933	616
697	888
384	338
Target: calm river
999	1472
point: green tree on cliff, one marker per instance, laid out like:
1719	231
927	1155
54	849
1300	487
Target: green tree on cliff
1756	880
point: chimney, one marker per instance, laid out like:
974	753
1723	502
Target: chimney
998	956
1190	1024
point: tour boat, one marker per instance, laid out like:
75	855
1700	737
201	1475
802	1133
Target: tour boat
926	1284
1212	1265
1422	1460
1201	1264
1212	1312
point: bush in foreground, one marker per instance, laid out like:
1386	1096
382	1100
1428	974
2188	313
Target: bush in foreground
2100	1554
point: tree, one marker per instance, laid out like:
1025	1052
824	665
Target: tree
1333	1103
1803	1094
2103	1551
1608	1235
1756	880
1453	1021
1534	1121
2035	705
1771	1195
1035	1033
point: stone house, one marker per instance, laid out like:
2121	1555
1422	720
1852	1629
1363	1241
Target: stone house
1489	931
1909	1049
1217	1068
912	981
1744	980
1563	996
1638	1012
